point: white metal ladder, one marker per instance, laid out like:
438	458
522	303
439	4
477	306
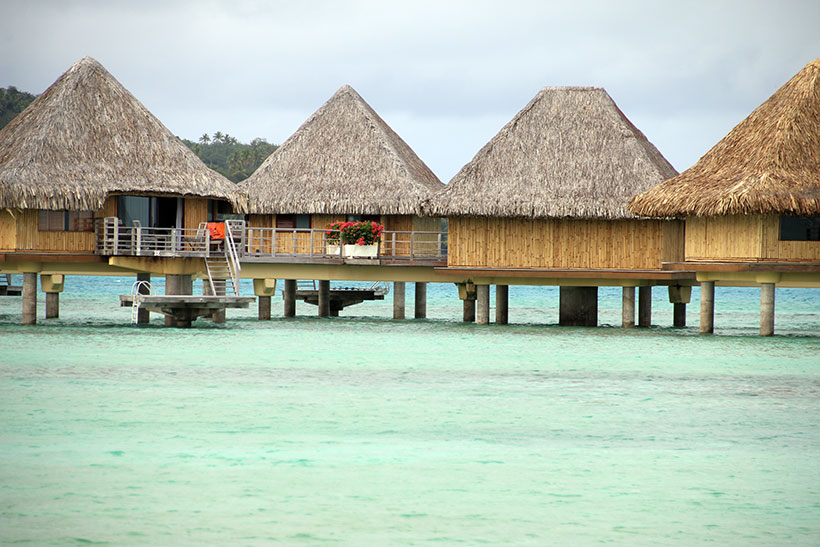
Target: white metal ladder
136	298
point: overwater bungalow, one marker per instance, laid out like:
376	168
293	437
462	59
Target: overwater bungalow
752	203
343	164
87	160
544	203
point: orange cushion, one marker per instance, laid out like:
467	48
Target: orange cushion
217	230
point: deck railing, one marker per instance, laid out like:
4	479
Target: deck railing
257	244
318	244
114	238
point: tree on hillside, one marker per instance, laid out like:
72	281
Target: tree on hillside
12	102
243	162
229	157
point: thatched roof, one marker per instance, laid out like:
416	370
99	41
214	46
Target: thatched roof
87	137
343	160
768	164
569	153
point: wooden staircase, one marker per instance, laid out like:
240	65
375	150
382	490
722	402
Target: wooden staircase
220	276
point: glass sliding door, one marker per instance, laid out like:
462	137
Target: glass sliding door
151	212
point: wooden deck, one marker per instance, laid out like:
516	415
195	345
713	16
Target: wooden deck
186	307
268	245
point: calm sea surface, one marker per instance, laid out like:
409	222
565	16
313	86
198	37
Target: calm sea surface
363	431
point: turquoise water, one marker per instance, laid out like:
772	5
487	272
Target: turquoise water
363	431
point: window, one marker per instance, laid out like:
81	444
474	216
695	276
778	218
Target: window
364	218
794	228
66	221
300	222
220	211
151	212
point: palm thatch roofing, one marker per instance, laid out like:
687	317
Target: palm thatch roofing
768	164
343	160
570	153
87	137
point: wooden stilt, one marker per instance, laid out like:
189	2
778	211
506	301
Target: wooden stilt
578	306
707	307
290	298
399	300
502	300
324	298
482	297
767	309
645	306
29	298
468	313
421	300
628	308
264	308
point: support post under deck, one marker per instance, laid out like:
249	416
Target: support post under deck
767	309
398	300
468	313
645	306
578	307
290	298
264	308
324	298
482	297
628	308
421	300
29	298
502	301
181	285
707	307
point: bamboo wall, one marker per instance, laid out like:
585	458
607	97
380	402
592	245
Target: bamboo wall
196	211
8	230
564	243
744	238
28	237
785	251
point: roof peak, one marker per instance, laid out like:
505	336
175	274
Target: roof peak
767	164
86	137
573	88
344	159
570	152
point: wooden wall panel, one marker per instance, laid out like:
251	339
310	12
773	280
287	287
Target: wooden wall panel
774	250
8	229
735	238
30	238
109	208
673	241
562	243
261	221
196	211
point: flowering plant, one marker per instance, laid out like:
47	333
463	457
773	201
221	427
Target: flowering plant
354	233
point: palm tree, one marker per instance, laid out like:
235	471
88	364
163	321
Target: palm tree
204	139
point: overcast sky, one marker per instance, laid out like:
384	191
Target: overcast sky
446	75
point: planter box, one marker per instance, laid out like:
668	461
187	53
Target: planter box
361	251
333	250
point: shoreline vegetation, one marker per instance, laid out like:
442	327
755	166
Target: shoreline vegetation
220	151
